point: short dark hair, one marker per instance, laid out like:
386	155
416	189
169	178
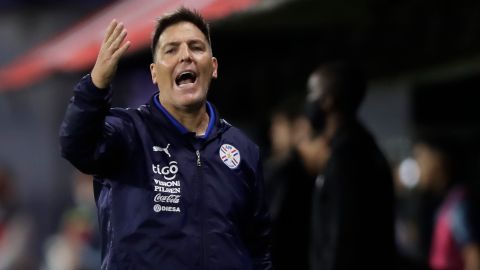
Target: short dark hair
346	82
182	14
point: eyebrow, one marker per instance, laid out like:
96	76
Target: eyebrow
191	41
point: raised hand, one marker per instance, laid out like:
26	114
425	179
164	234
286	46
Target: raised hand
109	55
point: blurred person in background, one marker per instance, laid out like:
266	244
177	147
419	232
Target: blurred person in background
15	227
176	186
287	180
76	245
352	212
454	236
414	210
69	248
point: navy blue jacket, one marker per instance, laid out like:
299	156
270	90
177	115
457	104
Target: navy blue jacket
167	199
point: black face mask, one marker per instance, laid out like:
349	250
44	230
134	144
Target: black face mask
316	116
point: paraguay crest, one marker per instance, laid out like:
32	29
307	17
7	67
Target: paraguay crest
230	155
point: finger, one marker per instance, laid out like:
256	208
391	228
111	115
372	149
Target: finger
121	51
116	43
110	29
116	32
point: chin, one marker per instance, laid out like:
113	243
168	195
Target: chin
191	100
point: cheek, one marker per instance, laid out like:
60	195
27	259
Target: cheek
163	74
206	64
428	170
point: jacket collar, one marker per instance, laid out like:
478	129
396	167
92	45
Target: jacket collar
162	116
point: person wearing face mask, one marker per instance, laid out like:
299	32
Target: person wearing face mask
352	211
176	186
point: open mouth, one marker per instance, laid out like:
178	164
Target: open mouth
186	77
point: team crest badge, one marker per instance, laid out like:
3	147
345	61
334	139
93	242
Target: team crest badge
230	156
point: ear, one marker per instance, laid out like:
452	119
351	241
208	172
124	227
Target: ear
153	73
215	67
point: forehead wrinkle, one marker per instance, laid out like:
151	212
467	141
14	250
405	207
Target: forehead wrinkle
183	29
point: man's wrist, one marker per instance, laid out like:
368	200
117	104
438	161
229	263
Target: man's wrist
87	88
99	84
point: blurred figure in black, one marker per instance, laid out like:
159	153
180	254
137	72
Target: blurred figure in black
353	219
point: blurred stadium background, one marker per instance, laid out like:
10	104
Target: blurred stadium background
421	58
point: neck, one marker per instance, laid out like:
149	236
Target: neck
333	122
331	127
194	119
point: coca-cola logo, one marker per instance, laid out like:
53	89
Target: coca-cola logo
167	198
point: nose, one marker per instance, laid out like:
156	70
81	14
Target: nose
185	54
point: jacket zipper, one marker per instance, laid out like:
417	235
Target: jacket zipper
202	210
202	190
199	161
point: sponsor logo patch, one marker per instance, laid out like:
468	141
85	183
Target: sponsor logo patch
166	185
162	149
168	172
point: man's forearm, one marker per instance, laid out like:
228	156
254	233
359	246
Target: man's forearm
83	124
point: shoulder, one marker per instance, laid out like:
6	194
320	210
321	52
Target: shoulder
356	140
239	136
239	139
126	118
131	114
358	150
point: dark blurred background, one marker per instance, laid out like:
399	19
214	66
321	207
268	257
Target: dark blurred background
421	58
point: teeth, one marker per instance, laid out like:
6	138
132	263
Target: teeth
186	75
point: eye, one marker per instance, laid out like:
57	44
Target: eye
169	50
197	47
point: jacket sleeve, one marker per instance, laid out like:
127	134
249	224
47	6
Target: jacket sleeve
90	137
260	240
